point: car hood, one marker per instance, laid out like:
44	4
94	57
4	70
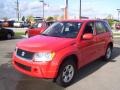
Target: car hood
45	43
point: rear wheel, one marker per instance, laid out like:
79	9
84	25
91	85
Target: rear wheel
108	53
9	36
66	73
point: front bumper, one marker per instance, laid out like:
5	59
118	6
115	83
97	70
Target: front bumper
35	69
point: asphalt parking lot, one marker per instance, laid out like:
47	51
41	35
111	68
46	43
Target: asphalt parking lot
99	75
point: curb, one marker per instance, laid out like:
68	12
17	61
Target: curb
116	36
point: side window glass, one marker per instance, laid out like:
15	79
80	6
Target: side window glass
100	28
107	27
89	28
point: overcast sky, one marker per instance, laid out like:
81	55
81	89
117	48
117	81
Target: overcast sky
90	8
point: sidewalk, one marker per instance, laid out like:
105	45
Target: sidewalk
116	33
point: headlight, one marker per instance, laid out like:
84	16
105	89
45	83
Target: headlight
44	56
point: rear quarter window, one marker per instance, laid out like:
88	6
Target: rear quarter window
107	27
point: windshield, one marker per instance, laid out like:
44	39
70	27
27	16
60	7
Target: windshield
63	29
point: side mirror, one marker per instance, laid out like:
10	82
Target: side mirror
87	36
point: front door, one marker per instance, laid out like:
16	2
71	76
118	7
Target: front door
88	47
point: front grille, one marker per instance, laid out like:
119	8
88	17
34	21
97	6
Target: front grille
25	54
27	68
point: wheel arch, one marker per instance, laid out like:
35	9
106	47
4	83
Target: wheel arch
26	32
110	44
73	57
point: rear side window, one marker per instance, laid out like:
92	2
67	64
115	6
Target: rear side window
100	28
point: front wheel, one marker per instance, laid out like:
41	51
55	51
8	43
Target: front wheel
66	73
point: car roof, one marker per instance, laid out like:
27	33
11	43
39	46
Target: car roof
82	20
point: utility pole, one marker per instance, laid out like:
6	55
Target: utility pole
42	1
66	10
118	13
17	10
80	10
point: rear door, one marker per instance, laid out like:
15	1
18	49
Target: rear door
101	37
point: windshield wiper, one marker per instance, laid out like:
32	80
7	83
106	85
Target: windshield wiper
57	36
45	34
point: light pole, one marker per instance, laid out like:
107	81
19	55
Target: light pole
118	13
17	9
66	10
62	9
43	8
80	10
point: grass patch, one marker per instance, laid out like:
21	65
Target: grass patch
19	33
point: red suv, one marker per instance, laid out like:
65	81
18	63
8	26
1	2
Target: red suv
63	48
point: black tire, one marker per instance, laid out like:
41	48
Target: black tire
66	77
108	53
9	36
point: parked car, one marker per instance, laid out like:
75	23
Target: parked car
17	24
11	23
25	24
5	24
117	26
63	48
37	28
6	33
